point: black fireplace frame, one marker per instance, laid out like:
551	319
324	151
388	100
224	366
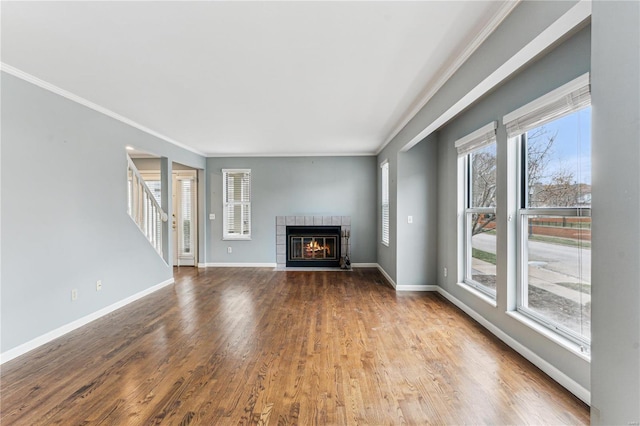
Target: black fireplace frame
307	231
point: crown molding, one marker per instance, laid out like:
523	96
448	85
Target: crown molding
294	154
82	101
572	19
448	69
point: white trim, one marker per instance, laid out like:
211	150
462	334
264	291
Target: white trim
236	265
291	154
448	70
554	32
82	101
61	331
412	287
387	276
273	265
364	265
477	139
480	295
554	95
549	334
553	372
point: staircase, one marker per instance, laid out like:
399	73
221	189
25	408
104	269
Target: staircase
144	208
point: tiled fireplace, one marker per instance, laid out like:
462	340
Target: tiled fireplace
312	240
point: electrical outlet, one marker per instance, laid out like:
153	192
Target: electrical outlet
229	250
409	219
212	216
74	294
444	270
98	285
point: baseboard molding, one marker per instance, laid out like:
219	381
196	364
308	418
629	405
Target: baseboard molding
387	276
268	265
557	375
61	331
425	287
237	265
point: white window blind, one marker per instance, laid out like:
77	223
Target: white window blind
237	203
478	139
385	202
186	214
564	100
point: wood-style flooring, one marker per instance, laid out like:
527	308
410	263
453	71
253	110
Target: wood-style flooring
231	346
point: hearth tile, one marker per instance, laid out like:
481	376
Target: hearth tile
336	220
280	220
299	220
346	220
317	220
281	230
326	220
281	249
281	239
308	221
291	220
281	259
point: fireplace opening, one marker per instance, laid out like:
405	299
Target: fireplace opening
313	246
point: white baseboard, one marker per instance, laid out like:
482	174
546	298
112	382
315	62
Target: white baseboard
387	276
364	265
60	331
237	265
425	287
269	265
557	375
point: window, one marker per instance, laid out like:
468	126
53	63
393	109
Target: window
385	202
554	210
477	152
237	204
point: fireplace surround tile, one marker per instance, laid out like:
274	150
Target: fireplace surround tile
281	229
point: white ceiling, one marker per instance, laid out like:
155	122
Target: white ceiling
251	78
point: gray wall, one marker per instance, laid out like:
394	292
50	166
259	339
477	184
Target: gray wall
283	186
568	61
615	79
526	22
417	194
64	219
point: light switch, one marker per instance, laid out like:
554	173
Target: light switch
409	219
212	216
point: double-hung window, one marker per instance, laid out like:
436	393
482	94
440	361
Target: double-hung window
237	204
477	152
554	211
385	202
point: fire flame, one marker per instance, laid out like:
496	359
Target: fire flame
314	246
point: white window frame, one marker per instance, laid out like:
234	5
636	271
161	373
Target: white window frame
567	99
226	235
466	146
384	205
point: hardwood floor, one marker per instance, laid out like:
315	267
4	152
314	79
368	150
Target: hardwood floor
255	346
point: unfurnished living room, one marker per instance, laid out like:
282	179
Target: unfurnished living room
323	212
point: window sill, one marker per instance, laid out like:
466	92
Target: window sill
485	298
549	334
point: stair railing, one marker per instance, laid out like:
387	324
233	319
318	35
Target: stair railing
143	207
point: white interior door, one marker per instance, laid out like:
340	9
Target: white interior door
184	220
